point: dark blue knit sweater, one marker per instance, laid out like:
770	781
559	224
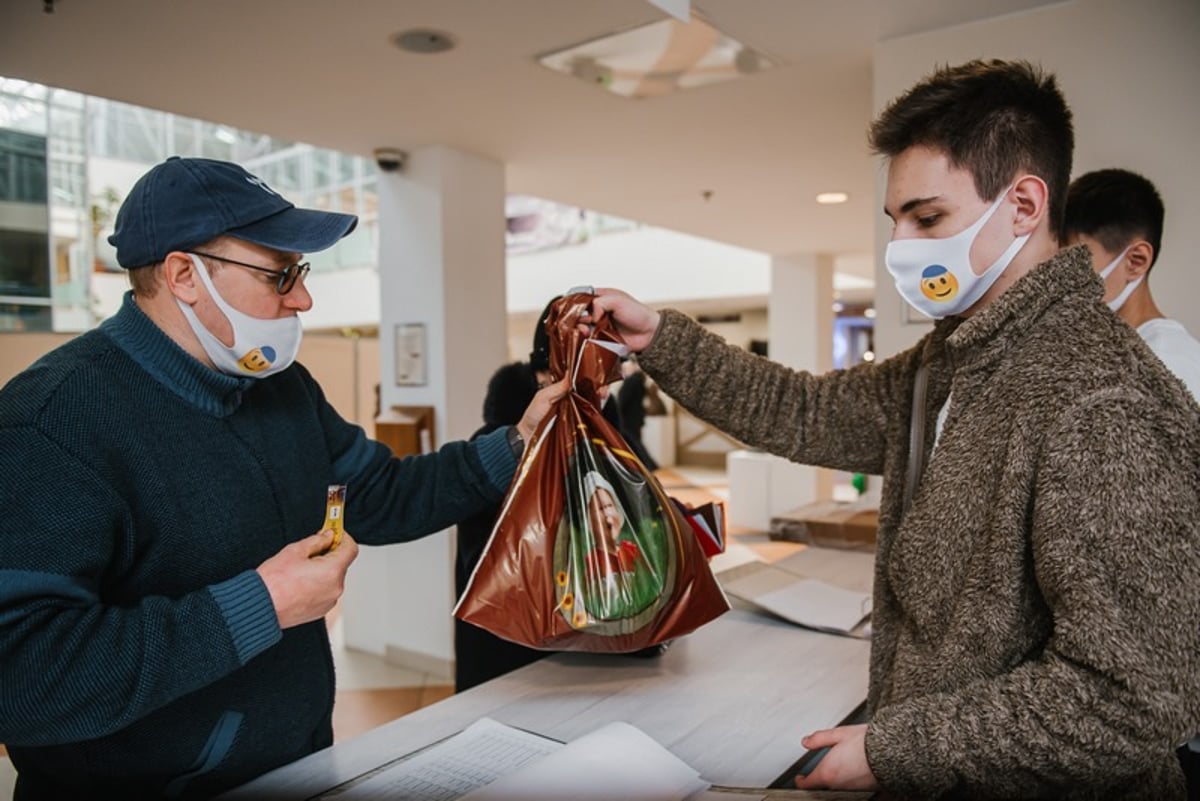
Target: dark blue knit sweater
140	655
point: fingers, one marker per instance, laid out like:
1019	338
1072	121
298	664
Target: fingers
602	303
555	391
324	543
813	781
843	765
305	583
316	544
540	406
816	778
822	739
346	550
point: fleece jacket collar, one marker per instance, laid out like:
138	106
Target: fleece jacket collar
981	339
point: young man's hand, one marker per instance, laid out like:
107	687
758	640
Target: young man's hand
634	321
305	579
845	766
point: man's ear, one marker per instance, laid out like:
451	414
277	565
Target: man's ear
179	276
1139	258
1033	201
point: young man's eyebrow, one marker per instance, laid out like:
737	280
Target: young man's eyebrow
912	204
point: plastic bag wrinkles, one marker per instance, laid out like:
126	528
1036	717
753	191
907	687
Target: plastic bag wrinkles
588	553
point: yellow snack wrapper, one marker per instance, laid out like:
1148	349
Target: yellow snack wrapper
335	502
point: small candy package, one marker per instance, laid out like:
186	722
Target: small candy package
588	553
335	503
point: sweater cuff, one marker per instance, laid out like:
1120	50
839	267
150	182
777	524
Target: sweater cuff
249	614
497	457
664	345
897	750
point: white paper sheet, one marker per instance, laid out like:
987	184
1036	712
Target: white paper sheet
489	761
477	755
615	761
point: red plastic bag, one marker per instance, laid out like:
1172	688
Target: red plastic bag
589	553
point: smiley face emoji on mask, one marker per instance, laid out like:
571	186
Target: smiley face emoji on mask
257	360
938	284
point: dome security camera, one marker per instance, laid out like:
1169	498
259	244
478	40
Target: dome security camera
390	159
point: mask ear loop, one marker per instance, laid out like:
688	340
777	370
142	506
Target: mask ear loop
985	280
1112	265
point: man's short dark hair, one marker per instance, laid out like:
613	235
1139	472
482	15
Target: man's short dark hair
1115	207
995	119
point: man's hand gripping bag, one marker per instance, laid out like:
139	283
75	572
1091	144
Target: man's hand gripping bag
588	553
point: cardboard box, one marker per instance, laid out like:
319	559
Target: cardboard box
830	524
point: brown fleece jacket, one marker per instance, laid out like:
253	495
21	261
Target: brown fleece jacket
1037	610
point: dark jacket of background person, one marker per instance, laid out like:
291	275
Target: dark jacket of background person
480	655
1035	608
631	402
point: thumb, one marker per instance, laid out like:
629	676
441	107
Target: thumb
317	544
821	739
556	390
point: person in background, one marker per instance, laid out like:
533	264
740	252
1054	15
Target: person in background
480	655
631	401
1118	214
1037	580
164	574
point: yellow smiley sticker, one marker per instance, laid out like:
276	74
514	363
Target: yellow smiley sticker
938	284
257	360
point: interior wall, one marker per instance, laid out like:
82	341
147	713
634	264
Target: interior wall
1128	71
347	368
19	350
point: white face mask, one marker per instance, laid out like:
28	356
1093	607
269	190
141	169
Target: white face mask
935	275
1116	303
260	347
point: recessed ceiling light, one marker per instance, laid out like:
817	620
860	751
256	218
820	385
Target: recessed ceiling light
832	198
423	40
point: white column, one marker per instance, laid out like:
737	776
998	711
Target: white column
441	265
800	335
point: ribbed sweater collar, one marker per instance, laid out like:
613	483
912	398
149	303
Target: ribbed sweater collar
209	391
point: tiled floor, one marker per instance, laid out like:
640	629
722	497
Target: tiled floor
372	692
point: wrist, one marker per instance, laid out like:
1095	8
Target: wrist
516	441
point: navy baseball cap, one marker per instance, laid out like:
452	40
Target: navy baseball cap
185	202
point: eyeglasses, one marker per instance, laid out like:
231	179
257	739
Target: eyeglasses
285	278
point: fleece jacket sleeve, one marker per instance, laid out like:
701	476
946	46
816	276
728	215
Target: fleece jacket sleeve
840	420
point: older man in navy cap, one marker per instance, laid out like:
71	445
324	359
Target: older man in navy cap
161	587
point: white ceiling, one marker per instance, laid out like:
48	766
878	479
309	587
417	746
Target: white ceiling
325	72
